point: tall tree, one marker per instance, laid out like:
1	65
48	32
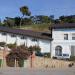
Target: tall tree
25	12
17	21
9	22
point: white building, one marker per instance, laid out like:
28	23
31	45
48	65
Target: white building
60	42
27	37
63	44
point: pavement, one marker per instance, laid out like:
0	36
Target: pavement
31	71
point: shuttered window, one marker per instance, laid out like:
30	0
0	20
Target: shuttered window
73	36
4	33
65	36
72	50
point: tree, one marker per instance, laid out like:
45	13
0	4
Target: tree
56	21
17	21
26	21
25	12
37	49
67	19
9	22
19	54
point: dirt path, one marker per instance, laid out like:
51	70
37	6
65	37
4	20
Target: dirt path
23	71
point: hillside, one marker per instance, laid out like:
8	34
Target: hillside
36	27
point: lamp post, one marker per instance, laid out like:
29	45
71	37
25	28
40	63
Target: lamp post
31	59
4	55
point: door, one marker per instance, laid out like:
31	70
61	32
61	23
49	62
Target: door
58	51
72	50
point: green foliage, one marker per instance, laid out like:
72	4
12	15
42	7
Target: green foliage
36	27
10	22
11	45
72	58
48	55
10	61
67	19
26	21
37	49
17	21
20	54
25	11
42	19
2	44
21	63
0	62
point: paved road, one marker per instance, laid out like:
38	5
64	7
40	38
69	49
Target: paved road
23	71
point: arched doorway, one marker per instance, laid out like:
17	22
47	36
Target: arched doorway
58	51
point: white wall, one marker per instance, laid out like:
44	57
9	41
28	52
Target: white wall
44	44
58	39
2	38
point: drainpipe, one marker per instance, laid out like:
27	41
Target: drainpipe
6	39
51	43
50	48
16	41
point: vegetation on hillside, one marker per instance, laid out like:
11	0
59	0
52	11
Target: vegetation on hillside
36	27
37	22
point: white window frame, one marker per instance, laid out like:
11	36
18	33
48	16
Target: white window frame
73	36
65	36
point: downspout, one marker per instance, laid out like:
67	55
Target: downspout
51	43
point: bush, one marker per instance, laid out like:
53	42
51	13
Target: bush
2	44
72	58
0	62
54	57
37	49
48	55
11	45
39	54
71	64
10	62
21	63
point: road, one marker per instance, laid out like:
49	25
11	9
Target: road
23	71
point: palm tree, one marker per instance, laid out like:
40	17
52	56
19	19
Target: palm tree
25	12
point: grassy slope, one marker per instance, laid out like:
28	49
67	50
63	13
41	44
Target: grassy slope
36	27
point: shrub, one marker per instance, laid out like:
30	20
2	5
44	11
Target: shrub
2	44
39	54
0	62
11	45
21	63
48	55
72	58
54	57
10	61
71	64
37	49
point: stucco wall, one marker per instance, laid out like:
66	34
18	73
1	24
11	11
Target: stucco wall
44	44
58	39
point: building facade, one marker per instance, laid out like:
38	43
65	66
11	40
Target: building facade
60	42
26	37
63	44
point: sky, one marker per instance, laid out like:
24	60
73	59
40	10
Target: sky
10	8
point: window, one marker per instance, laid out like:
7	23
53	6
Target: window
65	36
34	39
23	37
3	33
72	50
13	35
73	36
58	51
